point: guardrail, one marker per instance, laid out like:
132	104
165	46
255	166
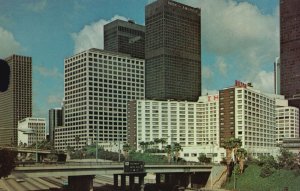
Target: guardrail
50	163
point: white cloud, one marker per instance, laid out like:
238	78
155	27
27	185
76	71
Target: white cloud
8	44
241	34
46	72
221	65
264	81
36	6
207	73
91	36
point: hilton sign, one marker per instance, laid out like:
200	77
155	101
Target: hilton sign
240	84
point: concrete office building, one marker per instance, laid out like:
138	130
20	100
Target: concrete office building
37	124
125	37
287	118
55	120
16	102
98	85
172	51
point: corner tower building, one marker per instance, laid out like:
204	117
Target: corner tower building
172	51
290	48
16	102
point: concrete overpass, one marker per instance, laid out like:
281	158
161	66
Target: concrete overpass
80	175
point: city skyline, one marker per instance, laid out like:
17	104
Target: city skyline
249	42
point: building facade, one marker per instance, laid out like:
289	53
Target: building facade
290	48
55	120
193	125
249	115
172	51
202	127
287	118
38	125
125	37
98	85
16	102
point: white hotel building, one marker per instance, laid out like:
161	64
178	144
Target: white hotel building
201	127
38	126
98	85
194	125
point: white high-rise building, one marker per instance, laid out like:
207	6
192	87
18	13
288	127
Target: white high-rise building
194	125
38	126
287	121
98	85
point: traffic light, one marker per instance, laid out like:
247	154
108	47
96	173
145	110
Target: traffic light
4	75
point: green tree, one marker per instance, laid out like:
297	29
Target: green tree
241	154
168	150
162	141
177	149
203	159
231	145
143	146
126	149
7	162
287	159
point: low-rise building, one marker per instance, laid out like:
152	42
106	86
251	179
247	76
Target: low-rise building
31	130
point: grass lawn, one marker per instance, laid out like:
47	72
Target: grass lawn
251	181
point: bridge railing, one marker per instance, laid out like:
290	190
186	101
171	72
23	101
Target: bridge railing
50	163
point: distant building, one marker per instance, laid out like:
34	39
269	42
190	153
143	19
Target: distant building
172	51
287	118
125	37
277	76
16	102
55	120
38	126
292	144
98	85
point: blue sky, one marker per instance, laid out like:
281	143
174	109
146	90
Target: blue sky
240	39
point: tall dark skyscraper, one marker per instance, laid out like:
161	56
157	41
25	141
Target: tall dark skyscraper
290	48
125	37
173	51
16	102
55	120
290	51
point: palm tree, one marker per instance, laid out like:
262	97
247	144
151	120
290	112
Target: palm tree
162	141
241	155
157	141
143	145
151	143
177	149
231	145
126	149
168	150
